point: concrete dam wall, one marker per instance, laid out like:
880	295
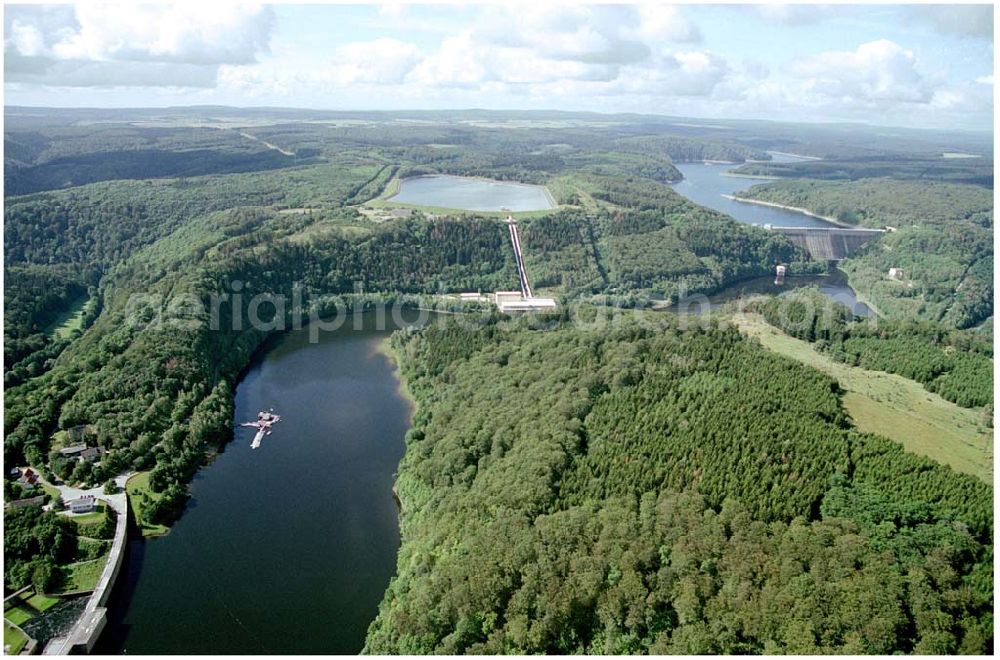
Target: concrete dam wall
829	244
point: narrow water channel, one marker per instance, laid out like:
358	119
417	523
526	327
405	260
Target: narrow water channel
287	548
833	285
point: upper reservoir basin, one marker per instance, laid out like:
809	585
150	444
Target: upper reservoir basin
287	548
456	192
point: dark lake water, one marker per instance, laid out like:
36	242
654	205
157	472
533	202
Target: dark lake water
833	285
287	548
706	183
457	192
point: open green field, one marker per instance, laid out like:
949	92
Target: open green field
52	491
70	320
83	576
893	406
135	488
13	640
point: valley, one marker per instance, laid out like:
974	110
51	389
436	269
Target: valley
617	474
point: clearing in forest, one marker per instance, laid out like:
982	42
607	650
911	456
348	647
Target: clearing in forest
892	406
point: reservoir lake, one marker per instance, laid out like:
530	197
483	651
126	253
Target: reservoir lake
456	192
287	548
706	183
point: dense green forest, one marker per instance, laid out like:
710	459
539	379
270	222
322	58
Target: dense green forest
957	364
932	167
638	487
943	242
34	297
60	157
882	201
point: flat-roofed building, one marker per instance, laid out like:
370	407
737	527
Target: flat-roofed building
513	301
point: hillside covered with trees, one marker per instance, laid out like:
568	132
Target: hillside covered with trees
642	488
957	364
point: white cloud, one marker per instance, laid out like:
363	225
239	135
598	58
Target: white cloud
205	33
460	62
665	22
134	45
391	10
27	40
547	43
688	73
877	71
795	14
959	20
382	61
642	58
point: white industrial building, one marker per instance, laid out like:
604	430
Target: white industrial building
513	301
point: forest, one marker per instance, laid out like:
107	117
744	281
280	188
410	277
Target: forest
642	488
878	202
930	168
957	364
38	544
47	158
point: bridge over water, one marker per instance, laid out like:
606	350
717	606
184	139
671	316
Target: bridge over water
829	244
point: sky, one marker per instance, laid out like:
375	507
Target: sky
902	65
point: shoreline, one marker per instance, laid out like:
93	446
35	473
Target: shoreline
786	153
859	296
383	347
794	209
762	177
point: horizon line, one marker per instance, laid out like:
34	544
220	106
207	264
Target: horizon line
987	131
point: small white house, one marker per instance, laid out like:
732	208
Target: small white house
83	504
895	273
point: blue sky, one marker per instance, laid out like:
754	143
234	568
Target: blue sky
906	65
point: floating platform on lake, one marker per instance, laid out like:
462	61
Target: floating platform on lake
265	420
